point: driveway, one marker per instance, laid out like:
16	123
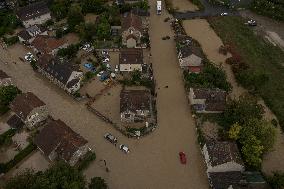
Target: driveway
153	161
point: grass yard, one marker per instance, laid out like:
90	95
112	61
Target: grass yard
261	56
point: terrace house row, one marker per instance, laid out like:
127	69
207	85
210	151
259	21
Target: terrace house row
61	72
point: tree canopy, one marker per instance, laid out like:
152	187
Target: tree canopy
242	110
103	28
97	183
7	94
93	6
75	17
59	176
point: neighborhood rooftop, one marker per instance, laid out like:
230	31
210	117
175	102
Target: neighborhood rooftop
15	122
46	44
58	137
131	56
33	10
24	103
133	100
57	67
221	152
131	20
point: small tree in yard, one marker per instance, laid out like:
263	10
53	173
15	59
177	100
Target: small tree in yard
252	151
103	28
7	94
97	183
75	17
276	181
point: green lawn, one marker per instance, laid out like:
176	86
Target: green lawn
261	56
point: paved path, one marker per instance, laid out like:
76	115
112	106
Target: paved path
153	162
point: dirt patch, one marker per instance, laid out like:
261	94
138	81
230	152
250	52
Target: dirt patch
90	18
71	38
184	5
4	127
210	130
108	103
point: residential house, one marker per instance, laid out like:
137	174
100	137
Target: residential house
27	35
189	61
222	156
61	72
226	180
5	80
132	29
130	60
207	100
58	141
32	14
135	105
30	109
43	44
15	122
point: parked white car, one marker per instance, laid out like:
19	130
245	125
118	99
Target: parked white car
29	57
104	52
124	148
224	14
116	69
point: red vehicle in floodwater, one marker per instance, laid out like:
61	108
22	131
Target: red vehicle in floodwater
182	157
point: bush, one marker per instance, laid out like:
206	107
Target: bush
198	4
69	52
210	77
11	40
276	181
85	162
273	8
6	136
4	168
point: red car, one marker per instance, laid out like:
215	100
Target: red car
182	157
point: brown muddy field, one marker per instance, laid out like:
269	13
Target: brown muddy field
184	5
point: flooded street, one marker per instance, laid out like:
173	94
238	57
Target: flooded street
153	161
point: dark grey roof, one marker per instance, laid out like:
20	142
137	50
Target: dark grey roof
25	35
221	152
33	10
59	69
223	180
15	122
131	56
215	98
132	100
71	83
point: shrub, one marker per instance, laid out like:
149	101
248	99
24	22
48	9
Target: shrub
11	40
7	135
85	162
4	168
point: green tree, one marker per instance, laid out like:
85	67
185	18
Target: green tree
241	111
261	130
93	6
234	131
276	181
86	31
252	151
103	28
59	8
75	17
7	94
60	175
97	183
69	52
